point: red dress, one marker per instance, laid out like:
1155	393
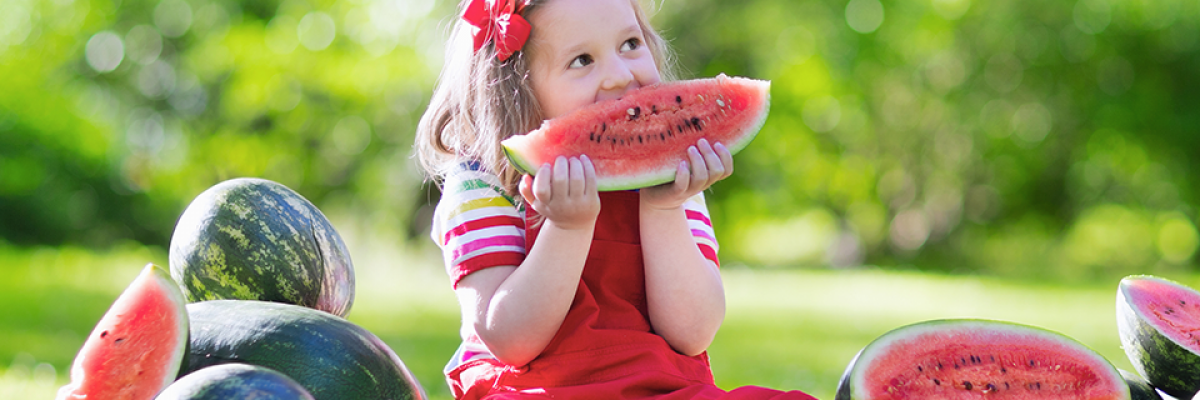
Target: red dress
605	348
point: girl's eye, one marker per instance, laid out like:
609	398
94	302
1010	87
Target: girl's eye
631	45
581	61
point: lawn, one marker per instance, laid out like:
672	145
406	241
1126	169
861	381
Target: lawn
788	329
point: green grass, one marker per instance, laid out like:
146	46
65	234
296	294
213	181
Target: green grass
794	329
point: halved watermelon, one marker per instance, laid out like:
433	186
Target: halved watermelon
1158	321
971	359
137	348
639	140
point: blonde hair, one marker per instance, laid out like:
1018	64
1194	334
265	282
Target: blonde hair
480	101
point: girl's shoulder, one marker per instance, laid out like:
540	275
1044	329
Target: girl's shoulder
470	179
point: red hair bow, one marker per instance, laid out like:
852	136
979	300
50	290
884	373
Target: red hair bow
499	20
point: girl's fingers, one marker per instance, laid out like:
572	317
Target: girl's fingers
589	175
716	169
682	177
726	159
541	183
699	168
575	185
560	185
526	188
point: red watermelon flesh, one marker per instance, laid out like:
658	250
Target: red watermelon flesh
640	139
1175	309
137	347
971	359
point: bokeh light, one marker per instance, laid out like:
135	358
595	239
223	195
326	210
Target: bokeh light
105	50
864	16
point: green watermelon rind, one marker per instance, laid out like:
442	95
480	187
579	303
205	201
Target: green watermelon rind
328	355
235	380
851	381
224	247
667	173
644	180
182	325
1167	365
1139	388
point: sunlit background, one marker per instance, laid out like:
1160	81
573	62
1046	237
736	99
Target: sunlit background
993	141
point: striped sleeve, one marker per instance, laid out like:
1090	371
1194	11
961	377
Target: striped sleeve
475	224
702	229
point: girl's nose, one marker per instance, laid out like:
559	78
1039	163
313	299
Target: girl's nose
617	76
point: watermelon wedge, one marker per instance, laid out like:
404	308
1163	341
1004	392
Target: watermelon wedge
974	359
1158	320
137	347
638	140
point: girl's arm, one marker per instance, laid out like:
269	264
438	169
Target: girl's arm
683	288
516	311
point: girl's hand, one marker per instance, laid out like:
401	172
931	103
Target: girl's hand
709	164
564	193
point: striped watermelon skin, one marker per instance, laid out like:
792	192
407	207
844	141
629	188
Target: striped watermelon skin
331	357
235	381
1154	320
1139	388
254	239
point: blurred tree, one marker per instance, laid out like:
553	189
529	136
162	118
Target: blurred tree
1042	139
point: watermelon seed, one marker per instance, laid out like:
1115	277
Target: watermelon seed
721	102
993	358
937	382
639	138
1006	386
1032	363
119	340
678	100
603	127
1003	370
967	385
103	334
990	387
654	109
919	369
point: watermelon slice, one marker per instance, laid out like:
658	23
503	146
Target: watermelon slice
971	359
639	139
137	348
1158	321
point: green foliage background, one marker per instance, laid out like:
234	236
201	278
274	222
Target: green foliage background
1023	138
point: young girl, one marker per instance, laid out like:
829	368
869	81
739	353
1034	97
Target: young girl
566	292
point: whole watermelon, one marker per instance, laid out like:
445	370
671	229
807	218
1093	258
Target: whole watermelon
235	381
329	356
254	239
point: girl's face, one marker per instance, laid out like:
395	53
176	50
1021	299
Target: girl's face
584	51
